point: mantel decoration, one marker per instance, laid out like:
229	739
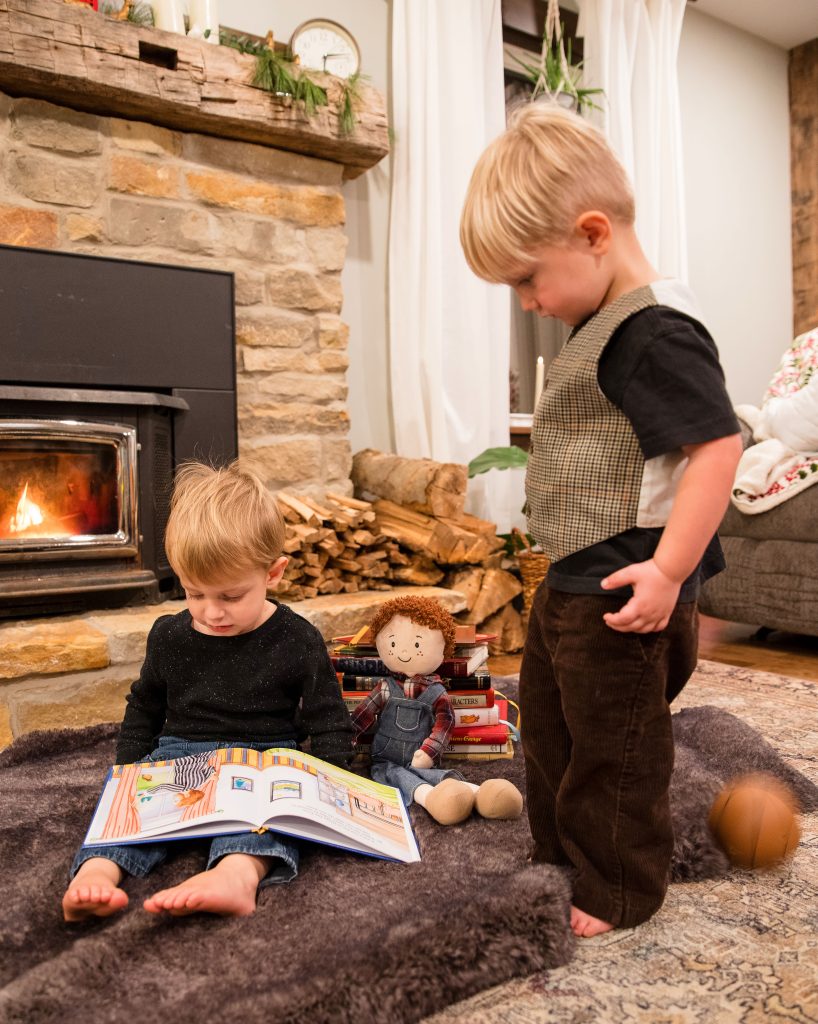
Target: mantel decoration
555	77
277	70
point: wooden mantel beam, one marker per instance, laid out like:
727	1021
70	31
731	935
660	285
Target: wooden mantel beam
73	56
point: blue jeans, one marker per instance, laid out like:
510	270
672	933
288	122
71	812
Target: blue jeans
141	858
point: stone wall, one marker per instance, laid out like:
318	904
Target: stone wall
106	186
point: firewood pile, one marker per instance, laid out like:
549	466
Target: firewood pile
405	526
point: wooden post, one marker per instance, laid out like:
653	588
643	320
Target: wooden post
804	172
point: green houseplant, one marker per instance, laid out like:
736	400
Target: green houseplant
555	76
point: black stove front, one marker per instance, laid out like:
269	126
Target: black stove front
111	374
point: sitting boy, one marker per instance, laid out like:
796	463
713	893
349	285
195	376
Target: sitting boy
231	670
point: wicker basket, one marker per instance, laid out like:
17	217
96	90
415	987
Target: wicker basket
533	568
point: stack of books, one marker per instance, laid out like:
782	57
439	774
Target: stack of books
481	731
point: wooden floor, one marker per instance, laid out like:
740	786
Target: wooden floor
732	643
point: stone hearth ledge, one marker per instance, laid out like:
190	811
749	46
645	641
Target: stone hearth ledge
71	672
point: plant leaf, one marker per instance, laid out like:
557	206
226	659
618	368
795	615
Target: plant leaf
498	458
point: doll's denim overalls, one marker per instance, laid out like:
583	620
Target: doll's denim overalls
403	725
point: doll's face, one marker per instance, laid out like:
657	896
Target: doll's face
404	646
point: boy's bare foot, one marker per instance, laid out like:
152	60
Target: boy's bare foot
586	926
228	889
94	891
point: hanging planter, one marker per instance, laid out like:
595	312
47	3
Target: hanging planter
554	77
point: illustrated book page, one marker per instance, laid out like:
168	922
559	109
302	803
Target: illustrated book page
235	789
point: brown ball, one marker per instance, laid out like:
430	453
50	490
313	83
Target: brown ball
755	820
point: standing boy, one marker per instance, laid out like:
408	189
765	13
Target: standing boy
234	669
634	446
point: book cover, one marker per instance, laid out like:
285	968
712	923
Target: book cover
239	790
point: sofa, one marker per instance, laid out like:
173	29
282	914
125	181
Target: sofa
771	579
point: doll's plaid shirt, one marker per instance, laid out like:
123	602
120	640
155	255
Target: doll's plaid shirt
365	715
585	467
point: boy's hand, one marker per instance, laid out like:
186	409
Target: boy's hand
654	598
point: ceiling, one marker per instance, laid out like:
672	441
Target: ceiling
786	23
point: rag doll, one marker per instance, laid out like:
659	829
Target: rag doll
412	717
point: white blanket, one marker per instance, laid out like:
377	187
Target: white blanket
784	461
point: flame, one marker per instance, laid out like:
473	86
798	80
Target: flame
28	514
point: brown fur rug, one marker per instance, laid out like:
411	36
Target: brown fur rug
352	939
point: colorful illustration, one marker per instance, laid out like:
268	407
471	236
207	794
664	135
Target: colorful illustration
236	789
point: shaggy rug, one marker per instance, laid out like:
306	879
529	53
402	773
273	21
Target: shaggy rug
737	948
352	939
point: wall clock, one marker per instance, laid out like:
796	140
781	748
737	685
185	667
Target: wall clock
324	45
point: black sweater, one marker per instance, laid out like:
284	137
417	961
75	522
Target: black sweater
271	684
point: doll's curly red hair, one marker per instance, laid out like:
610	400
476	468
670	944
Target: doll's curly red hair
424	611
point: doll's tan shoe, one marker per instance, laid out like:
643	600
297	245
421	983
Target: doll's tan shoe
498	798
450	802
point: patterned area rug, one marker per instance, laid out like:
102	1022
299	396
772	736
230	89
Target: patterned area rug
736	950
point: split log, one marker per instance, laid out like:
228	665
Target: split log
497	589
466	582
443	540
438	488
507	624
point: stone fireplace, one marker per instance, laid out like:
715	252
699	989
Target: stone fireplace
109	150
129	144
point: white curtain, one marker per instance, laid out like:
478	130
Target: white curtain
630	51
449	331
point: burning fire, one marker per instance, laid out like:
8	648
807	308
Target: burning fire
28	514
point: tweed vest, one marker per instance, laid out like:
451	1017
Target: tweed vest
584	482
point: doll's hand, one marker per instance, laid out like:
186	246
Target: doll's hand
420	759
654	598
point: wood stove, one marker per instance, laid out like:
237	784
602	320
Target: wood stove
111	373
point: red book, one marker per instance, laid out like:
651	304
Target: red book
479	734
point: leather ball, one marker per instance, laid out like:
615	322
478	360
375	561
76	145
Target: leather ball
755	821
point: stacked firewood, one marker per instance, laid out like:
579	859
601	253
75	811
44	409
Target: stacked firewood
406	526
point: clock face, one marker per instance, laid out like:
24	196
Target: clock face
326	46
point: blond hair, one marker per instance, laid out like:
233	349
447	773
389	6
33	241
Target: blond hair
532	183
223	521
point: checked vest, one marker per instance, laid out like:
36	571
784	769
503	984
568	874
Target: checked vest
585	468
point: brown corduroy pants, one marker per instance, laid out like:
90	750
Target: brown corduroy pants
598	747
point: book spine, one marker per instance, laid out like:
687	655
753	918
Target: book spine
359	666
475	682
479	734
471	698
350	681
476	748
469	717
469	755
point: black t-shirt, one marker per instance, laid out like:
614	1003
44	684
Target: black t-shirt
661	368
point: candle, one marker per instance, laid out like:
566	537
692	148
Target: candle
204	17
168	15
538	381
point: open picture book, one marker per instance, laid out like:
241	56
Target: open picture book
236	789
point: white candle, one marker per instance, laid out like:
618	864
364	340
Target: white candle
168	15
538	381
204	17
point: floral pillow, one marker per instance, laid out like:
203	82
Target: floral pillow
796	368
